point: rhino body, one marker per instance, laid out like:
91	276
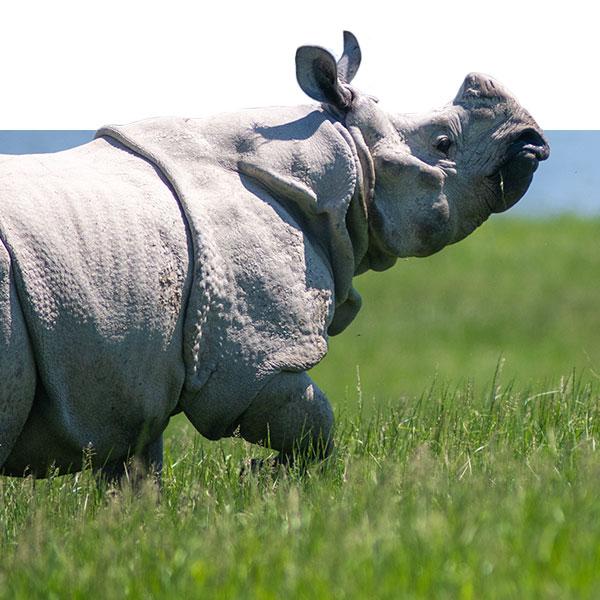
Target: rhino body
200	265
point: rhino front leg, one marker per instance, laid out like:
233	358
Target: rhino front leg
148	461
17	368
291	415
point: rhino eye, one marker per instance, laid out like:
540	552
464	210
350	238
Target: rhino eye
443	144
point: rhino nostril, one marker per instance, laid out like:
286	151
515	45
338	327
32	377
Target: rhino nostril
532	140
530	136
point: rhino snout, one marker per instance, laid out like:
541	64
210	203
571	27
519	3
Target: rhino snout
532	141
513	177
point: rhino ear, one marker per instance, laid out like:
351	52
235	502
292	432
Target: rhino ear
317	75
350	61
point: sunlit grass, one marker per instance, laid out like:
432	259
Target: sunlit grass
451	495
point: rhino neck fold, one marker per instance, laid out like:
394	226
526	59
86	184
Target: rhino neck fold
357	217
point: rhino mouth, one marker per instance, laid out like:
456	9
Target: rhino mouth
513	177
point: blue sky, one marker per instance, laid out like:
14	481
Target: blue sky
569	181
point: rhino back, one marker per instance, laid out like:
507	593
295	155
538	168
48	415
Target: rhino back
102	260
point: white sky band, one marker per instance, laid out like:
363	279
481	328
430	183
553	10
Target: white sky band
73	65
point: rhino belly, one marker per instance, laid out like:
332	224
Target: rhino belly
102	260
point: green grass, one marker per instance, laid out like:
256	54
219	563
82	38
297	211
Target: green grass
524	291
482	481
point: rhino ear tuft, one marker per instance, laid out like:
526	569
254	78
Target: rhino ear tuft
350	61
317	75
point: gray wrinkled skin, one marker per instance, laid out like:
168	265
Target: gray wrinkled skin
199	265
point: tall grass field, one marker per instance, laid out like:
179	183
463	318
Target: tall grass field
467	398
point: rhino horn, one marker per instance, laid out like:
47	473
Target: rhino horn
478	88
351	57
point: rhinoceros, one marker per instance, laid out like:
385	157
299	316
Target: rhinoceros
200	265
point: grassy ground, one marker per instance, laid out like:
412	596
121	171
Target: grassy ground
477	482
523	292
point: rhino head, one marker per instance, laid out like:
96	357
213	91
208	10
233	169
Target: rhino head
435	177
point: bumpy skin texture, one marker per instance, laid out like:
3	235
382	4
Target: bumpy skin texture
17	368
199	265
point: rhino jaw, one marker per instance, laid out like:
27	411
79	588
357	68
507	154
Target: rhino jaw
515	173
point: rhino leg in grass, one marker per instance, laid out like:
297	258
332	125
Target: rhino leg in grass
17	367
291	415
201	265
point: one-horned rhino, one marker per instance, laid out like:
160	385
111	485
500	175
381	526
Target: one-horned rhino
199	265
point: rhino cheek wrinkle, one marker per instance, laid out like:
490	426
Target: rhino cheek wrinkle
201	265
